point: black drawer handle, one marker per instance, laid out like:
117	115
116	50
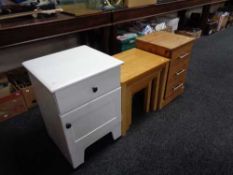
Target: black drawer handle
68	125
95	89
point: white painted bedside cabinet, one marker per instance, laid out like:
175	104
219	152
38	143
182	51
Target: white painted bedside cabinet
79	94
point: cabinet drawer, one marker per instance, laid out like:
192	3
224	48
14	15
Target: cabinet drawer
93	117
176	62
174	87
78	94
182	52
173	95
178	70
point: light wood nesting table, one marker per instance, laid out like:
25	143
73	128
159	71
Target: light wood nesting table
141	70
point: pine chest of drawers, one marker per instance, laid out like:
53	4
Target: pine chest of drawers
79	94
178	49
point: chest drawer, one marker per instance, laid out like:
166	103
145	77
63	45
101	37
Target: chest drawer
173	94
182	51
75	95
174	87
178	69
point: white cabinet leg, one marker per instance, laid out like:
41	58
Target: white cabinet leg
78	157
116	132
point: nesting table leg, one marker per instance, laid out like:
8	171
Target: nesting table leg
126	108
147	97
163	82
155	92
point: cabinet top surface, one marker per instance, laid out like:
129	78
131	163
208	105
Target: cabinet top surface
67	67
166	40
138	62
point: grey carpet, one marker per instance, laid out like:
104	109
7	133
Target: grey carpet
193	135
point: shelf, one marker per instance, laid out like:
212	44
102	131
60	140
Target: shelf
25	30
133	14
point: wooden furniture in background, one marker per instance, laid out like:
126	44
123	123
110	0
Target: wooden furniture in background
29	96
12	105
141	70
26	30
136	3
178	49
79	9
133	14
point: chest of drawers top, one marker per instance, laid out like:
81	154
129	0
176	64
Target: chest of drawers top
166	40
165	44
62	69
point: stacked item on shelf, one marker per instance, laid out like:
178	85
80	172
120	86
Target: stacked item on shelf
225	17
113	4
87	6
191	26
165	1
219	20
22	8
145	27
137	3
84	7
128	36
211	26
193	32
127	41
222	20
171	21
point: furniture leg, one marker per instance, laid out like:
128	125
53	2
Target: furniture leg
126	108
163	82
155	92
147	97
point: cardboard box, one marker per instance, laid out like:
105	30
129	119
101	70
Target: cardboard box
136	3
173	23
29	96
12	105
223	20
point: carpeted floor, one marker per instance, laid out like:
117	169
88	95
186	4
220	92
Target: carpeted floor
193	135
